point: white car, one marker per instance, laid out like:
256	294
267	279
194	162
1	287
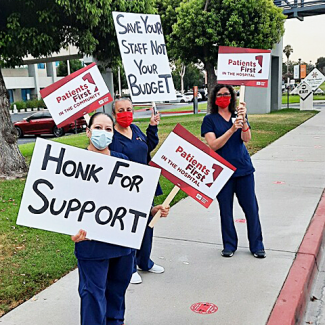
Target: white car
190	94
181	99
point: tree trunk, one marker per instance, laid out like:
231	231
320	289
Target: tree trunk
182	73
211	76
12	162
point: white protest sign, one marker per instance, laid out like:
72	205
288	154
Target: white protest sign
144	55
191	165
76	95
304	90
243	66
68	189
315	79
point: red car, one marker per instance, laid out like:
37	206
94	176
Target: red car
43	123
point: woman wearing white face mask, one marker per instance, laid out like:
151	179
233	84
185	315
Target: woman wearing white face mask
105	270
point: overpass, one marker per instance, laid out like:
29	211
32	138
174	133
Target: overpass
301	8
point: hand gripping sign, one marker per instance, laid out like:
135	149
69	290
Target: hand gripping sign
76	95
68	189
192	167
144	54
243	67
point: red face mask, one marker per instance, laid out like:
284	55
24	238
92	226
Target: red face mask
223	102
124	119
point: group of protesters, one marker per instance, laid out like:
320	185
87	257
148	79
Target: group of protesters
106	270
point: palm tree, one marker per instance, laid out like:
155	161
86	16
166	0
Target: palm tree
287	51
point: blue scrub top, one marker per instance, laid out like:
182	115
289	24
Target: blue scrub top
234	151
137	148
96	250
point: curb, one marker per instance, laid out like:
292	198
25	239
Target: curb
291	302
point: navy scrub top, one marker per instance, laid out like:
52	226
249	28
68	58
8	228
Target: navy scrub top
234	151
96	250
139	147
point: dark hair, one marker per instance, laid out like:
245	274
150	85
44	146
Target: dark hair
119	100
232	105
91	120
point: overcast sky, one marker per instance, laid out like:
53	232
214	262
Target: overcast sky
307	38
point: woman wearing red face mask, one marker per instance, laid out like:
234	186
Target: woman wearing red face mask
129	140
225	131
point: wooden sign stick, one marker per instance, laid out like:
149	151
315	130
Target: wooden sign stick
87	118
242	93
167	201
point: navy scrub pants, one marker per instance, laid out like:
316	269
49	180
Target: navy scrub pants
102	287
142	256
244	188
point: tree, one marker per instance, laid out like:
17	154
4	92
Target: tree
287	51
193	76
62	69
43	27
202	25
320	64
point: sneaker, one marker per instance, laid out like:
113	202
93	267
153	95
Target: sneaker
157	269
136	278
260	254
227	253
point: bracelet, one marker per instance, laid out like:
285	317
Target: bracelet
245	130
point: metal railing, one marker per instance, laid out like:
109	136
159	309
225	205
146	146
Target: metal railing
301	8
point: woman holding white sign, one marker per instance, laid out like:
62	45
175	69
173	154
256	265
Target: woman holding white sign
105	269
129	140
225	131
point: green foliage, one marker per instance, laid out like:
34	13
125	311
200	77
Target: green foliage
62	69
193	77
241	23
20	105
43	27
320	64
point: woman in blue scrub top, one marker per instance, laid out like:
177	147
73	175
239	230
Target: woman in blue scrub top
129	140
225	132
105	269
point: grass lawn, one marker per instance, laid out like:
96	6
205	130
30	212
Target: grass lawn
202	106
295	99
31	259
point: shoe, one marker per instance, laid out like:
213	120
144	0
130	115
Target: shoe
157	269
136	278
227	253
260	254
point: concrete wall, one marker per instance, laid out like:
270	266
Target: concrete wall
265	100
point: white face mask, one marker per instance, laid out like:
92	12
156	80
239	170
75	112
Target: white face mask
101	139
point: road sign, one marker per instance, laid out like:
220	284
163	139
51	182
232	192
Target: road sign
304	90
315	79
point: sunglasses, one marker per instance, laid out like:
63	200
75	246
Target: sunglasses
224	95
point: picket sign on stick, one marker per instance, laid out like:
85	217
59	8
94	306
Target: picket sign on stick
167	201
192	167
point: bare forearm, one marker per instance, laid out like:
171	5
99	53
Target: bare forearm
246	133
221	141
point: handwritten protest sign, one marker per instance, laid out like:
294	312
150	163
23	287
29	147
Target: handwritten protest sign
68	189
76	95
144	55
243	66
191	165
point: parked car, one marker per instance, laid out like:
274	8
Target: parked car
43	123
190	94
180	98
204	93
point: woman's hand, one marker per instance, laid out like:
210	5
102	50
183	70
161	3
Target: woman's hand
80	236
155	118
239	122
164	210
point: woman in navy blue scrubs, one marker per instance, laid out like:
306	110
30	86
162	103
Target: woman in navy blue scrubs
225	131
105	269
129	140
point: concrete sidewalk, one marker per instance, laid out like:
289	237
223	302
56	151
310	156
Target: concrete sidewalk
290	179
